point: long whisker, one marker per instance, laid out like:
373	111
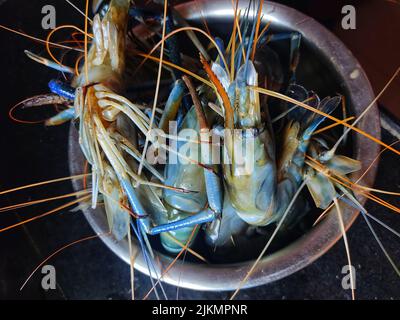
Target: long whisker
333	125
59	67
366	110
396	269
170	64
79	10
191	251
40	40
265	29
146	144
233	42
382	224
86	43
173	262
69	204
283	114
348	184
192	36
57	252
57	29
79	176
229	113
148	260
31	203
346	244
354	203
132	263
376	159
305	106
323	214
253	53
14	118
191	29
203	18
78	61
279	225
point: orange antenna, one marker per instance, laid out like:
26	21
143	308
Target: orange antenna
186	246
38	39
253	52
69	204
57	252
305	106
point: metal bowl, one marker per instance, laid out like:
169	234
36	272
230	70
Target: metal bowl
324	50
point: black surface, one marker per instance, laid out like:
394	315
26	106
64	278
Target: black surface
31	153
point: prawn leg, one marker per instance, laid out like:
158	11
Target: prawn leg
49	63
62	117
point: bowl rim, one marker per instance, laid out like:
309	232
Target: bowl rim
317	241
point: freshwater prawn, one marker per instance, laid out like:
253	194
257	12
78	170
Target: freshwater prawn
265	195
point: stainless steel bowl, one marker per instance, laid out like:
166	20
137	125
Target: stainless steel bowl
325	50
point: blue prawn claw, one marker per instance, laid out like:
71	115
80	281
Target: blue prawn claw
62	89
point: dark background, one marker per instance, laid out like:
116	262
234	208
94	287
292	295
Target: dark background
31	153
